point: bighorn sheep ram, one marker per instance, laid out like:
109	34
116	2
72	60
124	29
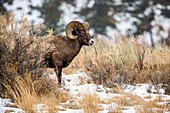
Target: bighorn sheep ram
67	47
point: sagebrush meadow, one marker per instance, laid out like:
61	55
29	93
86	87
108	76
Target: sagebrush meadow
110	62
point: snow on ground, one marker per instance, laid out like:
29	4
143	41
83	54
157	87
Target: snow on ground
77	84
5	106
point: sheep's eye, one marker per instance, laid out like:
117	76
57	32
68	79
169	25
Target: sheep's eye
81	33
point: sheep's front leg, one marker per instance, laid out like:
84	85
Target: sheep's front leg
58	73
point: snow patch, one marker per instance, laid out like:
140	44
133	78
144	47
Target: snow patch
4	103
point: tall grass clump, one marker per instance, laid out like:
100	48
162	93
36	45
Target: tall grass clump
125	60
90	101
22	76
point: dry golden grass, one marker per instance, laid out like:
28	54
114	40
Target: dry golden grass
150	107
90	101
115	109
27	93
127	100
123	60
142	106
117	89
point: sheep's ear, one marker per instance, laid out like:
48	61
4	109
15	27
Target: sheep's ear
75	32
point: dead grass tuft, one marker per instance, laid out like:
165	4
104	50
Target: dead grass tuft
142	106
27	93
115	109
90	101
127	100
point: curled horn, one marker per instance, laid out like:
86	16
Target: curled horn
74	24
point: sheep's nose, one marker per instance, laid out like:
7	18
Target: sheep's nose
91	42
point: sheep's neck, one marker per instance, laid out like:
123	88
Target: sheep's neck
75	46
